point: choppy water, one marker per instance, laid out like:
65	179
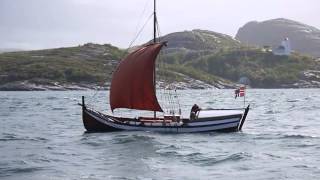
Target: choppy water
42	137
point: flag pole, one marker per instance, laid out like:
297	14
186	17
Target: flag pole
244	97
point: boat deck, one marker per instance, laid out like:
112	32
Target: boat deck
218	113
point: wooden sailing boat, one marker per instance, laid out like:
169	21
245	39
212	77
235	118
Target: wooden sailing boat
133	86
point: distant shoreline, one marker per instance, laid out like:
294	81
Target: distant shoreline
26	86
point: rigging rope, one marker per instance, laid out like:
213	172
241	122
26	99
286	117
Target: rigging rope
170	104
140	17
91	98
138	34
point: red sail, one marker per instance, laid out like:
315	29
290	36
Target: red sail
132	85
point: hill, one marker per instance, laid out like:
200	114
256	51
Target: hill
189	45
261	68
304	38
193	59
83	67
3	50
53	67
199	40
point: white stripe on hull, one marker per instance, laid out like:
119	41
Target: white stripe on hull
205	123
191	127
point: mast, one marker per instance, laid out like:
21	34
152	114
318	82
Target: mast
154	41
154	22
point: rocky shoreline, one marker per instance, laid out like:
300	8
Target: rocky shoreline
29	86
192	84
309	79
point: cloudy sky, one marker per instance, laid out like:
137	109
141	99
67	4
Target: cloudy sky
37	24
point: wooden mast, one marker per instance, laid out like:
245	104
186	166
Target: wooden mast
154	41
154	22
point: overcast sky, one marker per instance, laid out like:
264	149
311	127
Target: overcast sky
37	24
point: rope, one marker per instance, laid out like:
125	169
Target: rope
141	15
158	30
170	97
138	34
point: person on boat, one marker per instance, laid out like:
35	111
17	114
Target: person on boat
194	111
236	93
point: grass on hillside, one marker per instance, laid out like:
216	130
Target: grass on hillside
95	63
77	64
263	68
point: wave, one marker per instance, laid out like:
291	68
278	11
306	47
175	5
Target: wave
94	144
301	145
119	178
272	155
4	172
14	137
209	161
298	127
293	100
210	102
177	153
58	109
52	98
199	158
123	139
282	136
297	136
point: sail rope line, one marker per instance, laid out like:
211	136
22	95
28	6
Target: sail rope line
99	88
161	68
161	75
135	38
138	34
96	91
169	93
167	89
161	65
137	29
173	99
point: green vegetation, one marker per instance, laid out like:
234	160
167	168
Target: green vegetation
94	64
89	63
194	73
264	69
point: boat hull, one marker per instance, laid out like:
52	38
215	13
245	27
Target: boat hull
92	124
97	122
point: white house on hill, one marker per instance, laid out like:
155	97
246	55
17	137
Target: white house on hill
284	49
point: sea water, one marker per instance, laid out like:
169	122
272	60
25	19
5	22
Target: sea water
42	137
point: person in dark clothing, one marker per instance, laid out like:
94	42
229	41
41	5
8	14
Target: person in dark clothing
236	93
194	111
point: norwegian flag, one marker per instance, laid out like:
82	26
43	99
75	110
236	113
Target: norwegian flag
240	92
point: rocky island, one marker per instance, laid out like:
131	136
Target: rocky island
197	59
304	39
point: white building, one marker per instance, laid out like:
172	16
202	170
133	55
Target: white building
283	49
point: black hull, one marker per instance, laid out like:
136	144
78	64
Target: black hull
93	125
97	122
